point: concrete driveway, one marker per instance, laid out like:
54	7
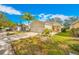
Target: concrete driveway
5	47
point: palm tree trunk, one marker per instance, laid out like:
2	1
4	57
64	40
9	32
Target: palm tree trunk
21	25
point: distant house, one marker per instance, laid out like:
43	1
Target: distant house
74	25
48	25
54	26
18	28
22	27
37	26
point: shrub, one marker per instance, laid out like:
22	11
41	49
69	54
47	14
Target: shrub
75	32
75	47
10	33
56	52
63	30
46	32
30	46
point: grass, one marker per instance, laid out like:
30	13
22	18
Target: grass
36	46
66	34
54	45
67	42
29	46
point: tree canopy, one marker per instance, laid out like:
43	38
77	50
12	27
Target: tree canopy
68	22
4	21
27	16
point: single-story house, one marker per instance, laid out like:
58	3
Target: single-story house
48	25
54	26
74	25
37	26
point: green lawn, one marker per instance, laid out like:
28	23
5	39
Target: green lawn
54	45
65	39
67	33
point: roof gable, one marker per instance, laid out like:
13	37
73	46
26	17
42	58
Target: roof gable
36	22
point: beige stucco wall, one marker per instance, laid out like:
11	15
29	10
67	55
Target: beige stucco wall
76	25
48	27
37	27
56	29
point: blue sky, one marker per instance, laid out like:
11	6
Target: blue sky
40	11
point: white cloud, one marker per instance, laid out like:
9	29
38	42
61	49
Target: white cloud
9	10
60	16
44	17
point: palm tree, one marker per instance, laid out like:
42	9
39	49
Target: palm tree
28	16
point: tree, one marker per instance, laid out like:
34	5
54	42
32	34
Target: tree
5	22
69	21
27	16
1	19
59	20
56	19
